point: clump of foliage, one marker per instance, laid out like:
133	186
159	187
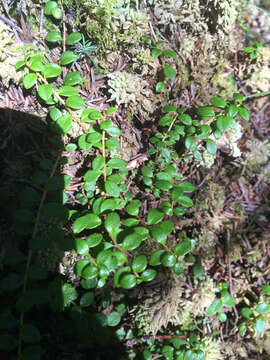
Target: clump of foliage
107	228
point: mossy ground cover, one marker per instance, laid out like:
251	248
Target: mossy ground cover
136	194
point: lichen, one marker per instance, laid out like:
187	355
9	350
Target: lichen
212	350
257	159
131	89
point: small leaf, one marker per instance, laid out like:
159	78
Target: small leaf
75	102
169	72
67	91
112	189
128	281
170	53
45	91
53	36
133	207
190	143
185	119
218	102
156	257
112	222
116	163
29	80
266	289
183	248
224	122
160	87
64	123
259	325
49	6
36	63
222	317
263	308
81	246
19	64
232	110
90	272
185	201
111	110
89	221
154	216
160	232
246	312
113	318
94	240
92	175
51	70
211	146
132	241
168	260
215	307
57	13
72	78
69	294
156	52
87	299
167	351
206	111
73	38
244	113
139	263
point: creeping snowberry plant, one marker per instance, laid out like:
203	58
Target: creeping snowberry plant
108	227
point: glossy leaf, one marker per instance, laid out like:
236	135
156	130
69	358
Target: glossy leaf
206	111
49	6
67	90
64	123
113	318
224	122
169	72
259	325
244	113
116	163
73	38
90	272
73	78
29	80
75	102
154	216
45	91
190	143
87	299
266	289
112	222
139	263
183	248
81	246
112	189
132	241
128	281
211	146
160	232
51	70
53	36
89	221
160	87
133	207
215	307
218	102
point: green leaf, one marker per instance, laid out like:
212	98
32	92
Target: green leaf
69	294
92	175
73	38
75	102
45	91
259	325
227	299
55	113
238	97
89	221
67	91
154	216
215	307
160	232
128	281
94	138
263	308
211	146
156	257
139	263
222	317
169	108
168	260
185	119
168	351
111	110
112	189
49	6
57	13
160	87
87	299
232	111
206	111
36	63
185	187
81	246
156	52
164	185
132	241
266	289
29	80
30	333
112	222
169	72
218	102
120	257
246	312
185	201
64	123
184	247
190	143
113	131
19	64
53	36
133	207
90	272
73	78
94	240
116	163
113	318
224	122
244	113
51	70
170	53
80	265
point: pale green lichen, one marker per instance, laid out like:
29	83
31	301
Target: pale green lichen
257	159
131	89
212	350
